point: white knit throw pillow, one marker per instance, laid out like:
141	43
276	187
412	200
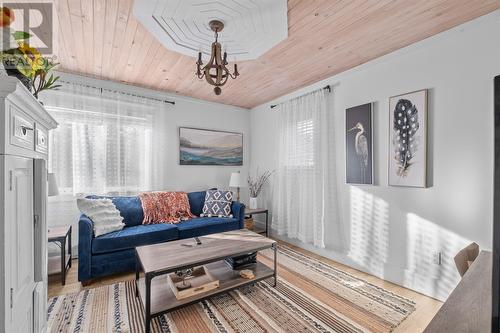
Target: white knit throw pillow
103	213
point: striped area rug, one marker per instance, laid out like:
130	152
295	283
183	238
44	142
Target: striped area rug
311	296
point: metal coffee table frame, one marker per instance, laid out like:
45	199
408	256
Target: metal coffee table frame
149	276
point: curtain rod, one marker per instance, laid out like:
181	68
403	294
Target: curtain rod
120	92
326	88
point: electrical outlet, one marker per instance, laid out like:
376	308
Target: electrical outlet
437	258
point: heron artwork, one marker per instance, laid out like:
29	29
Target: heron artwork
361	147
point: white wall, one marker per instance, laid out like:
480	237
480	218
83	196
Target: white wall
395	232
186	112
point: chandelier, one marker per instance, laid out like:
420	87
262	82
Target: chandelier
215	71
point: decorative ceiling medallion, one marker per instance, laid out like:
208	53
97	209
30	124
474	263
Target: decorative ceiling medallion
251	27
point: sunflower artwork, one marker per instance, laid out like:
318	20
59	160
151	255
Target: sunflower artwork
408	123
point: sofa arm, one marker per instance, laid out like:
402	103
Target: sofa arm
238	211
85	235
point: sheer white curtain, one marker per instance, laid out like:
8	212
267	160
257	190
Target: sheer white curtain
106	143
303	198
105	140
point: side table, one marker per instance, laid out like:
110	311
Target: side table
60	235
250	212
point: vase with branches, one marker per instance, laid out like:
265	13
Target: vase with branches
256	185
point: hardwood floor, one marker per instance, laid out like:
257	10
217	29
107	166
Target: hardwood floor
426	306
416	322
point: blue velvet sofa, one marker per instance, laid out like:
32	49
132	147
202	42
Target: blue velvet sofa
115	252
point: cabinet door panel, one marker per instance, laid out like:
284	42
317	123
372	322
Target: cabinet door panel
19	240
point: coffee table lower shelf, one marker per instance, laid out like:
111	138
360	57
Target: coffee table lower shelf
163	299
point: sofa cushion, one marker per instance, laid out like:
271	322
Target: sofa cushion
104	264
196	201
218	203
130	208
206	225
130	237
103	213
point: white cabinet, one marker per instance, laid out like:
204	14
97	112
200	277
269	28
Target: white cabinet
19	243
24	126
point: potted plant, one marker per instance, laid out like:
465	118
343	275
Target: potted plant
256	184
32	65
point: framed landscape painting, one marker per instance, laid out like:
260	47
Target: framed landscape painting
209	147
359	147
408	139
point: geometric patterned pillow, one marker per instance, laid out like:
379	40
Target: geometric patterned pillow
218	203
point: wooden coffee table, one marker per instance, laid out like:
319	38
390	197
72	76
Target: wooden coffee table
158	260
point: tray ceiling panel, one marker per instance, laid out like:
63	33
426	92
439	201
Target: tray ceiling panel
103	39
251	27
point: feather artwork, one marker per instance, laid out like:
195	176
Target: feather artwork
405	141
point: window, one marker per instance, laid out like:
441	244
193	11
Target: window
304	151
101	152
300	145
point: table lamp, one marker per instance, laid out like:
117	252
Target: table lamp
235	182
52	184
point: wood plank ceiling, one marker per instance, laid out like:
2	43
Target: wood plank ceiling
101	38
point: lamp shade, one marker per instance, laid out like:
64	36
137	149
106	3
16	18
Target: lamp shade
235	180
53	189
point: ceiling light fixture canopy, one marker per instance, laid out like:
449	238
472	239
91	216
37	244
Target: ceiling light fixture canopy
215	71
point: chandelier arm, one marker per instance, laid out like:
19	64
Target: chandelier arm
224	68
228	73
